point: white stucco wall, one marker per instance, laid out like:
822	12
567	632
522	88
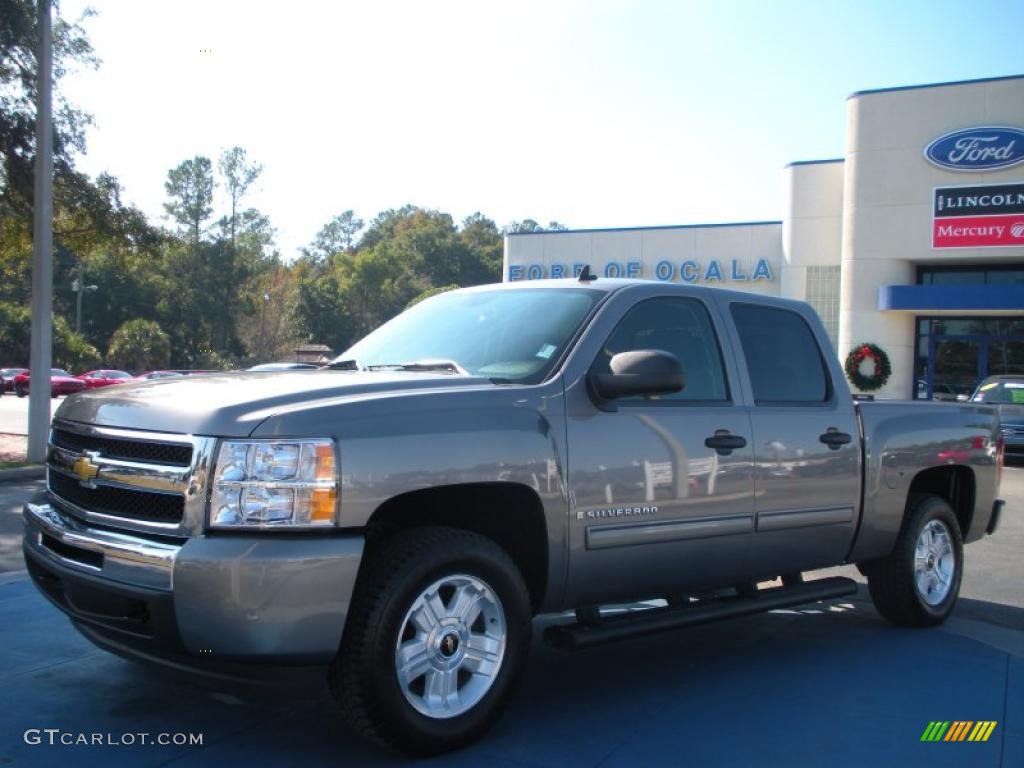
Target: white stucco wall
812	222
737	249
887	203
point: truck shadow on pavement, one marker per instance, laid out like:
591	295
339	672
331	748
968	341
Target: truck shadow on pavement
795	687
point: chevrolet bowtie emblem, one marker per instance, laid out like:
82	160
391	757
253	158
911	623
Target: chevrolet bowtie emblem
85	470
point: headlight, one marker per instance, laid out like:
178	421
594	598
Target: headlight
274	484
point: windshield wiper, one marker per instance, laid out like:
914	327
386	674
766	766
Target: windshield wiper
421	365
345	365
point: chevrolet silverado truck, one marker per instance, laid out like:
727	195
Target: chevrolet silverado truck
491	455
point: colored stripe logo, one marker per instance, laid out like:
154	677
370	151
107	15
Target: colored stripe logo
958	730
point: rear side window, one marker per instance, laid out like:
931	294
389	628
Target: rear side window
782	355
680	326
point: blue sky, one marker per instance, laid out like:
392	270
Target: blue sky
597	114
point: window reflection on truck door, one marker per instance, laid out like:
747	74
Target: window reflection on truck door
653	504
807	491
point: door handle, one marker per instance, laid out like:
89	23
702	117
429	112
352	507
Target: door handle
724	442
835	439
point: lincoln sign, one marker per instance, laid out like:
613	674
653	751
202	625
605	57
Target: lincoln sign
980	216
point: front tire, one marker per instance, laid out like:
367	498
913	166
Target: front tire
918	583
19	391
437	633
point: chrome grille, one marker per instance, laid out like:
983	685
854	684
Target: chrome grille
151	453
119	502
140	481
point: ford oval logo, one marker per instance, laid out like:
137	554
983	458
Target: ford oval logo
986	148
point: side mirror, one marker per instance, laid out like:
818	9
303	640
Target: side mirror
641	372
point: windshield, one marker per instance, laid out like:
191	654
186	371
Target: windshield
1001	393
59	372
511	335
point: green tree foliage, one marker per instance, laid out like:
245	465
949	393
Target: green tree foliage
70	349
190	189
265	321
139	345
237	175
403	254
71	50
206	269
336	236
481	234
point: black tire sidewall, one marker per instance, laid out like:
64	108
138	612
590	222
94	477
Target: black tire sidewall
423	734
934	508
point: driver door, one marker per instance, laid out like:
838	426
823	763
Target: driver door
654	509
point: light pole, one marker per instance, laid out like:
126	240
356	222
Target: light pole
263	313
41	350
77	285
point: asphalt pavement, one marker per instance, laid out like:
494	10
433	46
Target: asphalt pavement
831	683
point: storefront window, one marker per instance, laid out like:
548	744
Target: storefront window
989	275
953	354
823	294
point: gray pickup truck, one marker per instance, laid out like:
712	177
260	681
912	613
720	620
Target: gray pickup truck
490	455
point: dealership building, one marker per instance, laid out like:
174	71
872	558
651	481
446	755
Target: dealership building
912	241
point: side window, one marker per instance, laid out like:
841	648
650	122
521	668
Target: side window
782	355
678	325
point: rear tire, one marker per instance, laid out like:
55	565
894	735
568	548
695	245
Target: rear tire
437	633
918	583
19	391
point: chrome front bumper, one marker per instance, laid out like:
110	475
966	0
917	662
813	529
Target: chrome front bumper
53	535
263	599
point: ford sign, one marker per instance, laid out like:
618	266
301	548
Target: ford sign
987	148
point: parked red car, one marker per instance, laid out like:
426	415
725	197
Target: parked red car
104	378
7	377
61	383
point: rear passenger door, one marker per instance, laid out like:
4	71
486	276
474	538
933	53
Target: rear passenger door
805	438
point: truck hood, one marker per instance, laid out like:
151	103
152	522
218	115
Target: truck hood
234	404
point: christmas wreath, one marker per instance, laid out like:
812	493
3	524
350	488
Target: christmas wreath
880	360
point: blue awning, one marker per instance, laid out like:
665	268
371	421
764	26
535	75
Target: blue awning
951	297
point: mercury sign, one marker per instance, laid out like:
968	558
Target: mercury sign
978	216
688	271
986	148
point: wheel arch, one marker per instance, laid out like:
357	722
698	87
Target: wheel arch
510	514
955	484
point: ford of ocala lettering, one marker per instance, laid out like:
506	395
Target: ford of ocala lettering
494	454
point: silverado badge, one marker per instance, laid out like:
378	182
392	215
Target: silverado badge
597	514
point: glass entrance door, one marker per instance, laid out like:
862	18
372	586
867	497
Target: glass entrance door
953	366
1005	357
957	364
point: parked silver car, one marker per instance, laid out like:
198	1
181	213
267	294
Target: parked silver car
1007	393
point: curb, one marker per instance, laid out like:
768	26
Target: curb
34	472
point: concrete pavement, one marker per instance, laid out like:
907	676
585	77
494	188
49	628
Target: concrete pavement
14	413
